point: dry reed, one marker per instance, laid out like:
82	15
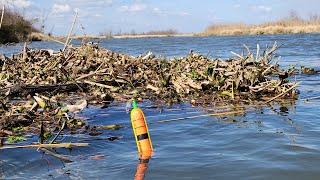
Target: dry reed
71	29
2	14
291	25
61	145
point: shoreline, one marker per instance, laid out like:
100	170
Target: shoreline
153	36
61	39
216	30
125	36
233	32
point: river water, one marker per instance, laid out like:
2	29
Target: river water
281	141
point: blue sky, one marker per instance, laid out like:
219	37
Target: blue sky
185	16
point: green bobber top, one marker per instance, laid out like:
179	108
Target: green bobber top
134	104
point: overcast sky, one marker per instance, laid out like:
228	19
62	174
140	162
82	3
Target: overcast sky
185	16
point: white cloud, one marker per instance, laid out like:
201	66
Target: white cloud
137	7
61	8
88	3
21	3
97	15
261	8
236	6
109	2
182	13
156	10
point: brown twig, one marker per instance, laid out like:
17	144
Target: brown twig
112	88
62	127
91	73
41	133
203	115
61	145
63	158
24	55
71	29
2	14
283	93
311	98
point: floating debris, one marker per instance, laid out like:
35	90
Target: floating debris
105	73
101	76
308	70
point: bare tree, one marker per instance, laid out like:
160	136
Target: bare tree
43	19
314	17
293	15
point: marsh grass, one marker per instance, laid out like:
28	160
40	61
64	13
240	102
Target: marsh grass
290	25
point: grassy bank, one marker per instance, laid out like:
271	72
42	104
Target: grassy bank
290	25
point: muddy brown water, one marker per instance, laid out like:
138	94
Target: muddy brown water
273	142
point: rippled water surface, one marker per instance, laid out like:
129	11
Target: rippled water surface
271	142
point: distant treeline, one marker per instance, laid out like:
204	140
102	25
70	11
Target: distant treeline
167	32
289	25
162	32
15	27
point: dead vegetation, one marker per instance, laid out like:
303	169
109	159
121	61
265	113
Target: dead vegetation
292	24
101	75
100	71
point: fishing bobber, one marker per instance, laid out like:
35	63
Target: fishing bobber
141	132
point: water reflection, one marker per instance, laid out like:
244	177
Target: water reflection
2	169
142	167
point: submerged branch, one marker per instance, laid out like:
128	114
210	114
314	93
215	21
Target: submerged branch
203	115
63	158
61	145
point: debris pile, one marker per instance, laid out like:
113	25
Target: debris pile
101	75
92	68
